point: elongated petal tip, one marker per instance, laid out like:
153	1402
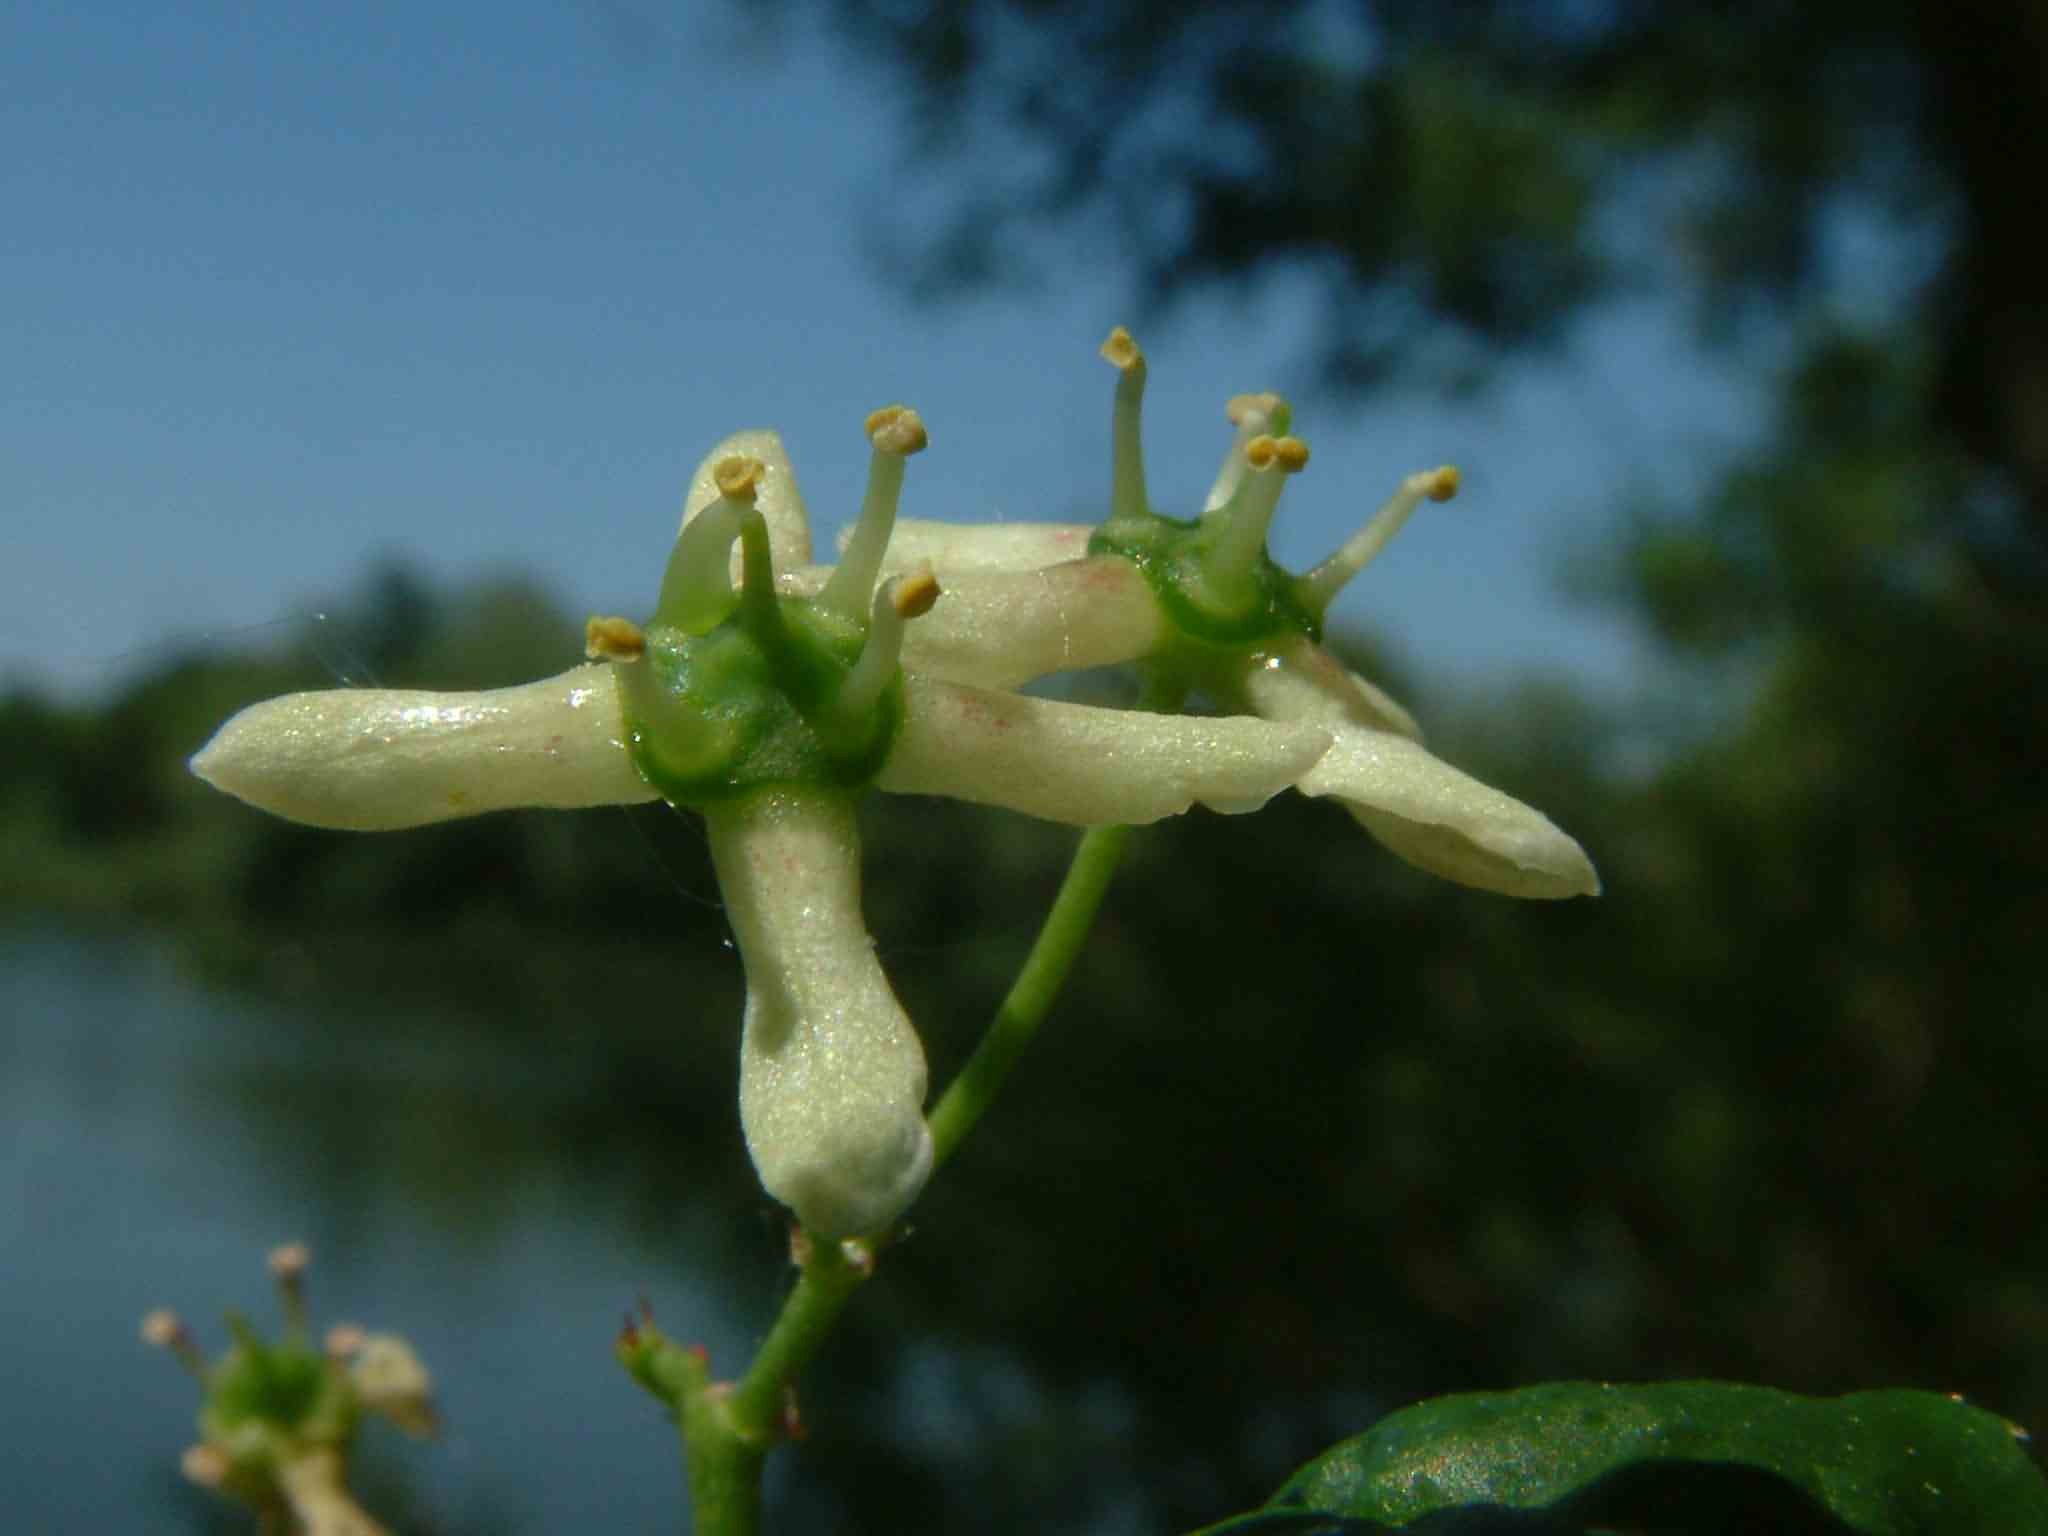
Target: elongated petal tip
1519	853
371	760
1420	807
832	1077
1447	822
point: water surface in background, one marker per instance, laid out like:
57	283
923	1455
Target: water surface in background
157	1138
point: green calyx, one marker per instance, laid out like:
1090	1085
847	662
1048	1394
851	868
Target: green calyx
1212	606
1222	593
263	1397
717	715
752	688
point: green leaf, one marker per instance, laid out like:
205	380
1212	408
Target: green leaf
1581	1457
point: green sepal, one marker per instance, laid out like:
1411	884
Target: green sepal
711	717
1674	1458
1262	608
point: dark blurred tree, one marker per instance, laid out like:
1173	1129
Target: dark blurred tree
1465	176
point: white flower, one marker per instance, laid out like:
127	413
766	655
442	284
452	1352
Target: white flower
1202	601
769	713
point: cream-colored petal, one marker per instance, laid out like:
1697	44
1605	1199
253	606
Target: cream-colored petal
1422	808
1085	766
776	495
373	759
832	1077
1311	683
1000	629
1382	711
389	1379
960	547
314	1485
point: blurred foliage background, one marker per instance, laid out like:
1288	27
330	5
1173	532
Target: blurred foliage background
1311	1136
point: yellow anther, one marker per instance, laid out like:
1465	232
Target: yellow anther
1121	352
162	1328
609	638
1443	483
897	429
289	1261
206	1465
1261	451
1243	406
738	477
912	595
1291	454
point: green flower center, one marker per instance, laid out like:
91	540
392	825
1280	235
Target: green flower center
728	692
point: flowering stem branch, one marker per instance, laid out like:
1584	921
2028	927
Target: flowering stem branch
1031	995
728	1428
831	1272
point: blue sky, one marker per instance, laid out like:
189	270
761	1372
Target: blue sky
286	289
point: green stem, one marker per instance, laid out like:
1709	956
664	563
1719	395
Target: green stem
1031	995
728	1429
831	1273
724	1468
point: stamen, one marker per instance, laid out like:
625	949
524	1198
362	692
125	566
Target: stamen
288	1265
696	589
1253	416
897	429
757	572
163	1329
901	599
737	477
916	592
1127	498
610	638
206	1465
896	432
1241	523
1320	586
